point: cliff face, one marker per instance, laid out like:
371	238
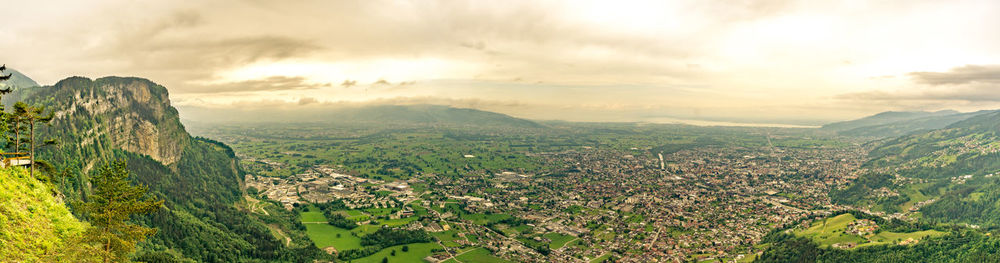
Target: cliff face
131	119
129	114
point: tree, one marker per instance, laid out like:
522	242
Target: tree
385	260
3	114
31	115
113	202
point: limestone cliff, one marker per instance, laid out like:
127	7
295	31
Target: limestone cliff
129	114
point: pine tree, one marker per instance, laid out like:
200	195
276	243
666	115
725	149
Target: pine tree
114	201
31	115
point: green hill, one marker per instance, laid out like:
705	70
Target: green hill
964	147
953	171
893	124
36	226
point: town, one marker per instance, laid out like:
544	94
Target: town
590	203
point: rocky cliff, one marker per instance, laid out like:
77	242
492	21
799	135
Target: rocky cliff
129	114
132	119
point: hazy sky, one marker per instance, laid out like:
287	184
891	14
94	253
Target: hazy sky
800	62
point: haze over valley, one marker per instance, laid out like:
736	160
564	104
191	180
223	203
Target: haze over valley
516	131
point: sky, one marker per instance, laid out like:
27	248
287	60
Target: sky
732	61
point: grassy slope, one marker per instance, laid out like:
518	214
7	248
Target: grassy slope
833	232
33	224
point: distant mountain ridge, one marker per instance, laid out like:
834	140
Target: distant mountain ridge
954	166
421	114
17	80
893	124
427	114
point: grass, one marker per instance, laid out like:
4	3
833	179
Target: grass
602	258
480	255
417	252
325	235
398	222
380	211
447	237
312	216
483	219
833	230
32	221
558	240
913	192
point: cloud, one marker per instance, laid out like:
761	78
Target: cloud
274	83
965	84
307	101
960	75
747	53
962	93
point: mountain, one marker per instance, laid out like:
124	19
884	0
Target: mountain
946	179
953	169
427	115
392	115
892	124
957	149
17	80
200	180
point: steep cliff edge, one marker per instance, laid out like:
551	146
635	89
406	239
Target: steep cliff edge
132	119
129	114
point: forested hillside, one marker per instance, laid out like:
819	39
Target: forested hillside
130	118
945	178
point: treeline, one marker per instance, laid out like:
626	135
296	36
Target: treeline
861	191
383	238
963	246
334	217
973	204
